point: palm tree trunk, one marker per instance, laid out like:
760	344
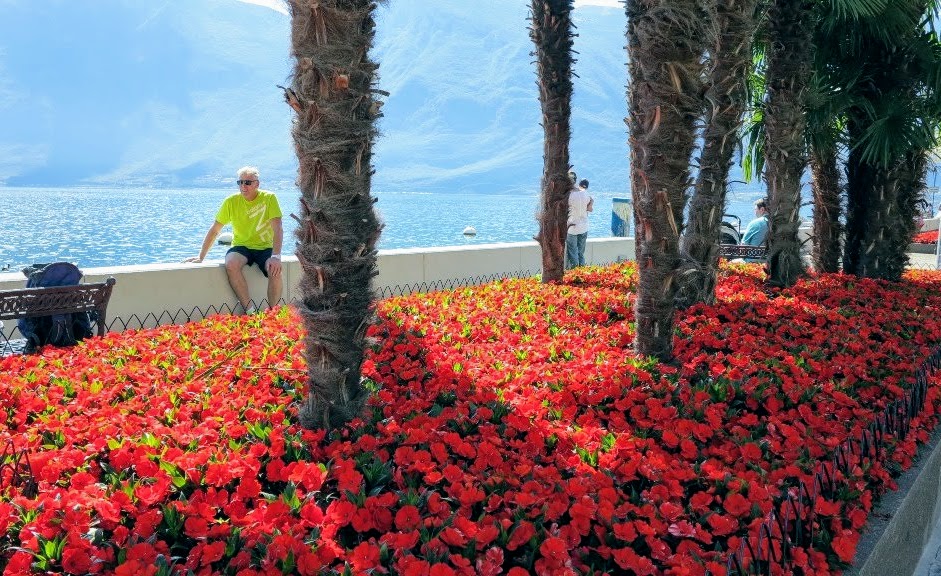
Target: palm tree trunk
908	178
789	61
333	95
879	236
725	105
551	31
885	217
665	52
827	228
859	182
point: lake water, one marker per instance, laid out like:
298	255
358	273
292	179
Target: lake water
107	227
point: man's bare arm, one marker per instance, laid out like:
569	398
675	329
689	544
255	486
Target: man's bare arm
207	242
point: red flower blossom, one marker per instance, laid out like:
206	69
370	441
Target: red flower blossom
845	545
737	505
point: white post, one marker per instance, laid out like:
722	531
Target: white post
937	251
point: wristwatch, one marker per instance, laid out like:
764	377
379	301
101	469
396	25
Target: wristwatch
278	256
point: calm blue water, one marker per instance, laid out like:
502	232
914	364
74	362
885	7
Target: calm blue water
108	227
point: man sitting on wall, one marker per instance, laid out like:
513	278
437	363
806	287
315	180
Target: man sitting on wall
257	237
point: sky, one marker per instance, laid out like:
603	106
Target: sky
278	5
163	93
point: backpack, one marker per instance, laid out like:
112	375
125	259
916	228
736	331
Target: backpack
58	329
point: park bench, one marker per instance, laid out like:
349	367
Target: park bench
734	251
39	302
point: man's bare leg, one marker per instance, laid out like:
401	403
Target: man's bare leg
274	289
234	263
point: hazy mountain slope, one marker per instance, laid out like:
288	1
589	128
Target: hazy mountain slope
181	93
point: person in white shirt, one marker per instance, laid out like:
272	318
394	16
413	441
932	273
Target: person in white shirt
580	204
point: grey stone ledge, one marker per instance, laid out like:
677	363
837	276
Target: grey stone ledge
905	521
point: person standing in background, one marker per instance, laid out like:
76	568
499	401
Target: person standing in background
580	204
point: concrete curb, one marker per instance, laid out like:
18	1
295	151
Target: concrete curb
922	248
901	524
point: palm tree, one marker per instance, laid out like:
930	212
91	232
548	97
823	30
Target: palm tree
891	129
790	47
826	187
551	31
835	78
664	43
730	60
332	91
844	34
826	142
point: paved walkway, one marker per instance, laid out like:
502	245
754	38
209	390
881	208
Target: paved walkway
930	563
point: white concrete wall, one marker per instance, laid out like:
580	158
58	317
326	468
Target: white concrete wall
144	292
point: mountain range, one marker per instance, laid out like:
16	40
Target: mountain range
180	93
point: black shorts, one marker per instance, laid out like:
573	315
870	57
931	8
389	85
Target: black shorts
256	257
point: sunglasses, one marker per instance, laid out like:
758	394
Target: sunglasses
245	182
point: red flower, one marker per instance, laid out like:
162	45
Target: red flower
845	545
737	505
407	518
365	557
627	559
76	560
196	527
491	563
722	525
213	552
135	568
309	475
521	535
555	550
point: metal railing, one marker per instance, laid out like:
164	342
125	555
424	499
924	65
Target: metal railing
15	471
12	342
792	524
923	260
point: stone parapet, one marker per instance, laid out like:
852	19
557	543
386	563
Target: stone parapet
153	289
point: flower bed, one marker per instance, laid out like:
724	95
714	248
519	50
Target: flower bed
930	237
511	432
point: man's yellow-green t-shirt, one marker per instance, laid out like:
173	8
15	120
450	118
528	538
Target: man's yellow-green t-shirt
251	221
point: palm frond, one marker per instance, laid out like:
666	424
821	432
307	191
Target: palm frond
753	157
855	9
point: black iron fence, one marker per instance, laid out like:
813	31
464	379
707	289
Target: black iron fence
12	342
15	471
793	522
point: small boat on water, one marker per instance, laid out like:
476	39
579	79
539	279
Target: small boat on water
470	231
225	238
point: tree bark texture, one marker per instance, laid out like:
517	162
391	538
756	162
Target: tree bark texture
551	32
665	101
730	49
827	228
333	93
882	205
891	131
790	46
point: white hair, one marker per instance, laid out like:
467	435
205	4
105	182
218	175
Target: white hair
248	171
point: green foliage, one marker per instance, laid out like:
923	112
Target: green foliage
849	9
